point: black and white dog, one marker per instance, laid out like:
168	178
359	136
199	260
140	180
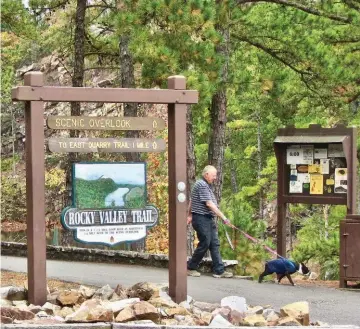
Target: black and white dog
283	267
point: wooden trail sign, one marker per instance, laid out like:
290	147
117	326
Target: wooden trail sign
105	123
108	145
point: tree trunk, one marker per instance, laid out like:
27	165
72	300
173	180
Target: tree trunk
77	78
128	81
260	167
218	116
191	172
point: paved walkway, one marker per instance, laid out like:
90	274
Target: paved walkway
329	305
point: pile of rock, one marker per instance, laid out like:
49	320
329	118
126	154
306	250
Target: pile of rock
143	303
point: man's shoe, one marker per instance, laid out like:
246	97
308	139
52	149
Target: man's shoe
223	275
193	273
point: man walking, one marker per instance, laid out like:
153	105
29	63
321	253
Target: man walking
202	213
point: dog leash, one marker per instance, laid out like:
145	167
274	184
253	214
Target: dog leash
249	237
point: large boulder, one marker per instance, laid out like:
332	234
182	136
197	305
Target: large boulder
87	292
16	314
104	293
144	291
125	315
235	303
70	298
91	311
145	311
298	311
17	293
254	320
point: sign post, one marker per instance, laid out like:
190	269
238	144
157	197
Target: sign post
34	94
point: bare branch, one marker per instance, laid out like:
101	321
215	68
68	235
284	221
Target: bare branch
309	10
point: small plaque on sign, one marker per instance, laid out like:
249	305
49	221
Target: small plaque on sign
106	145
109	226
105	123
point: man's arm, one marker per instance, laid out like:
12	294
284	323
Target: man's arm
216	210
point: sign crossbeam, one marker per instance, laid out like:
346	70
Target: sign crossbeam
102	95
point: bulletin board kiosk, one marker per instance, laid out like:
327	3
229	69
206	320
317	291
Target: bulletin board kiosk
317	165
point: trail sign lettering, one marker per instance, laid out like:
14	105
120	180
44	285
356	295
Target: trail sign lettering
108	145
105	123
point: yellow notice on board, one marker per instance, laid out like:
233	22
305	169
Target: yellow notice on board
315	169
316	184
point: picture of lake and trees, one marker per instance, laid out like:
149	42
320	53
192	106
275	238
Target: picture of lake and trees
108	185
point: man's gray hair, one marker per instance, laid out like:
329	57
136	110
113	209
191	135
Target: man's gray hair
208	169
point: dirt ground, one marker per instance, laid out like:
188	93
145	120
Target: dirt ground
9	278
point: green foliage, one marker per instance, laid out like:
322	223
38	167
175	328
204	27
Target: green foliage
92	193
7	164
319	243
13	198
249	254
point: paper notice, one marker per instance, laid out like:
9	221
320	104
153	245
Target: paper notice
340	180
314	169
295	187
316	184
303	178
294	156
308	154
325	166
320	153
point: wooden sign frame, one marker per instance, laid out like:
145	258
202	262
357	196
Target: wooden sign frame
314	135
34	94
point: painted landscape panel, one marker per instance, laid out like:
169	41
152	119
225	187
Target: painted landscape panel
106	185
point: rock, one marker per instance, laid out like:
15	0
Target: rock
42	314
125	315
91	311
104	293
17	293
235	303
207	307
273	317
321	324
16	314
52	297
162	302
34	308
145	311
121	291
169	322
255	310
177	311
219	321
4	292
185	304
288	321
104	83
144	291
206	318
254	320
19	302
223	311
64	312
236	318
187	321
298	311
313	276
5	302
50	308
117	306
87	292
267	312
6	320
70	298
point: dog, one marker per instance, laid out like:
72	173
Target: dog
283	267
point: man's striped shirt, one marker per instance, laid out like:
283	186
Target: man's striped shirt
201	193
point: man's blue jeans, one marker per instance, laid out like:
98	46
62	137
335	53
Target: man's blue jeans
207	234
